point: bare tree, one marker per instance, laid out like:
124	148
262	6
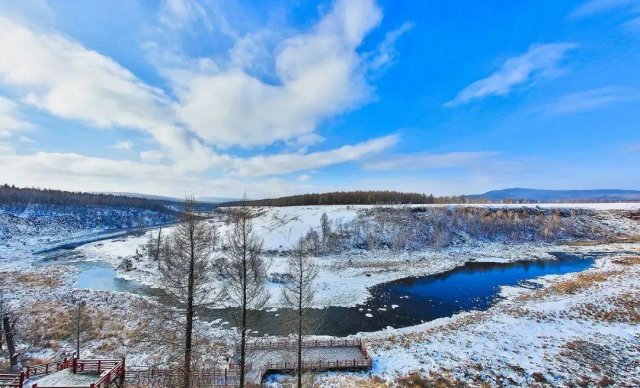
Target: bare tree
187	272
325	227
313	240
79	324
8	329
245	274
298	294
154	245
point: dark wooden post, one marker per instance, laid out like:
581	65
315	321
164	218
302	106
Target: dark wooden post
21	379
124	371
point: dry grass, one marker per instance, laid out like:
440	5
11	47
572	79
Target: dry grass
610	240
629	260
619	308
416	380
36	279
580	282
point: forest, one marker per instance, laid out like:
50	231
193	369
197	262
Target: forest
352	198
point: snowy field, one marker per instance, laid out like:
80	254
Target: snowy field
345	276
554	334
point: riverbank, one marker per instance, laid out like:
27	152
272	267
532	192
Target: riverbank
577	330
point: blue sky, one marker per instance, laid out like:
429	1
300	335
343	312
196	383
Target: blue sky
219	98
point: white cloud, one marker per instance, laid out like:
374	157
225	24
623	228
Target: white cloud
591	100
151	156
287	163
180	14
386	53
592	7
425	161
540	60
69	81
10	118
70	171
320	74
123	145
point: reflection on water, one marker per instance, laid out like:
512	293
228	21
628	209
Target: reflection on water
401	303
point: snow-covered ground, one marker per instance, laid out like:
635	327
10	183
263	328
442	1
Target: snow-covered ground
28	229
345	277
530	335
579	329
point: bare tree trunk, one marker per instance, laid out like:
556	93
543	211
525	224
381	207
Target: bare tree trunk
7	327
189	323
245	276
187	269
298	294
243	335
300	290
78	320
158	244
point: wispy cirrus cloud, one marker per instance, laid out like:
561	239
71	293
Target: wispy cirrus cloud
386	53
424	161
539	61
591	100
593	7
287	163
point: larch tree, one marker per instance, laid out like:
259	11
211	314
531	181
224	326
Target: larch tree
298	294
8	322
79	324
187	272
245	274
154	245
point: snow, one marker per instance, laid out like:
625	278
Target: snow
529	329
531	333
65	378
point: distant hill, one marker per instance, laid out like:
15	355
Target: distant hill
216	199
534	195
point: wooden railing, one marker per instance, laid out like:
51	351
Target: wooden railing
11	380
330	343
45	369
108	370
227	377
116	372
359	363
319	365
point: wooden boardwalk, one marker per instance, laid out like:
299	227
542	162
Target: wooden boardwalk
320	355
263	357
69	372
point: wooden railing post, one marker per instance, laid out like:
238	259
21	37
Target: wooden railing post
21	378
124	371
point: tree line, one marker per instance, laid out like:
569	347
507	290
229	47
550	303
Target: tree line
353	198
18	195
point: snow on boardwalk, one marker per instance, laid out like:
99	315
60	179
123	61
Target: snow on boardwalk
316	355
64	378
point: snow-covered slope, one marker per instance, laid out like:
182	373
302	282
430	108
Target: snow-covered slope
27	229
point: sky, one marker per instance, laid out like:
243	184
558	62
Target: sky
270	98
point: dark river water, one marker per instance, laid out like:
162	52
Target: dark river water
400	303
